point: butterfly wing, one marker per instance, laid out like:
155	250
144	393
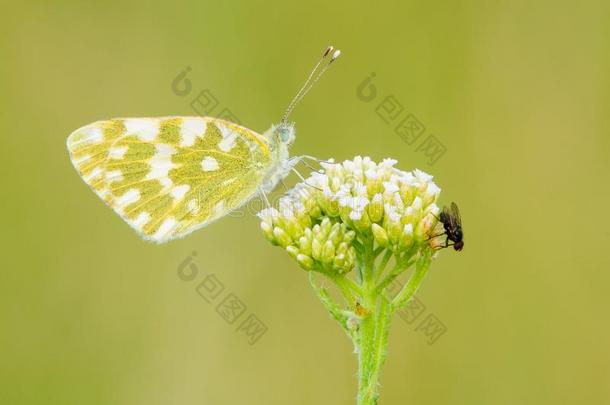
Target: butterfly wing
169	176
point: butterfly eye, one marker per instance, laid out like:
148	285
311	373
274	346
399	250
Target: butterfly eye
286	133
285	136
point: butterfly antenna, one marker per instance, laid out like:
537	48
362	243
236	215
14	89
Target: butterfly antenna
330	51
313	71
322	71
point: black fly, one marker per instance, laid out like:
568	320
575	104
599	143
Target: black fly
452	222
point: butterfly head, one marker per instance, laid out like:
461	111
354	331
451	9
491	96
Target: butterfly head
284	132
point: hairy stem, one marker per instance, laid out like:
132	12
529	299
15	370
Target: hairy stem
372	334
410	288
368	316
372	351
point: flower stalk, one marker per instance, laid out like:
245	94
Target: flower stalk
360	225
372	338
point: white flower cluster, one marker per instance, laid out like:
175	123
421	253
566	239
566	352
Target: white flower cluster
317	221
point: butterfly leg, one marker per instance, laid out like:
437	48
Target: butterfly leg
304	180
304	158
310	167
284	185
264	197
315	159
295	160
299	175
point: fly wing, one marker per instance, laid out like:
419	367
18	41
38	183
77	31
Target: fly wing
456	218
445	216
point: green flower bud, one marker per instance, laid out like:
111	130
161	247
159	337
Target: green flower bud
328	253
417	204
407	192
424	227
350	259
342	248
305	261
374	183
325	228
339	261
349	236
375	208
431	193
380	235
281	237
393	227
361	221
308	233
293	251
335	234
407	236
344	214
267	231
316	212
305	245
293	228
316	249
329	206
409	216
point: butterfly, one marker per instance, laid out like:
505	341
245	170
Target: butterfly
169	176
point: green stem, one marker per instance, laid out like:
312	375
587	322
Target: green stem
411	287
367	318
372	348
383	263
342	283
372	334
399	268
349	284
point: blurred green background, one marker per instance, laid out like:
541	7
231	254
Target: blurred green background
517	92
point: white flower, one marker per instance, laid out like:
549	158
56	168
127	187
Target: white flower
318	221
